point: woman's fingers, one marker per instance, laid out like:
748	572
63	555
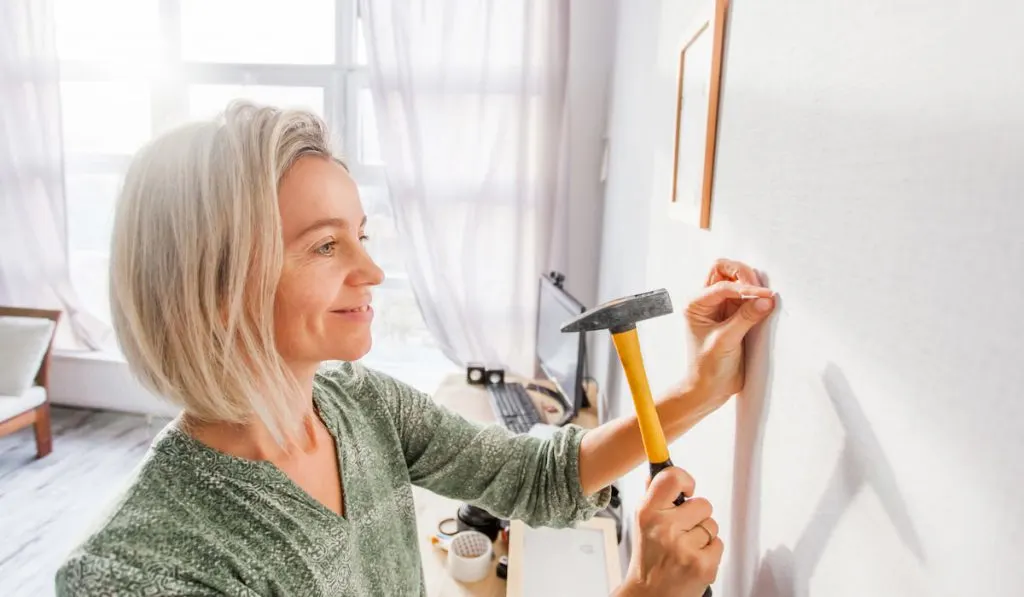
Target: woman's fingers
689	513
750	314
702	535
665	487
732	271
713	296
669	555
713	556
721	291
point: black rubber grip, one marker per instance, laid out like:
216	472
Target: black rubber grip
657	467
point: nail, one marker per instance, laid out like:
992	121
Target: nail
763	305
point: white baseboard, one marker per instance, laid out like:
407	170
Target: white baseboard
101	381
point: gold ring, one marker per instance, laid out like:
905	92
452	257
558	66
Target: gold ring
711	538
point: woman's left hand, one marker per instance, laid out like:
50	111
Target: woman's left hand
733	302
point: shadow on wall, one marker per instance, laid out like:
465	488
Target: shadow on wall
785	571
751	415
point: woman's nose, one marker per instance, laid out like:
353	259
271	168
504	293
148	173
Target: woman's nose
369	272
376	273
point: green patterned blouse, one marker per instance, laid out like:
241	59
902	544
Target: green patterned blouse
195	521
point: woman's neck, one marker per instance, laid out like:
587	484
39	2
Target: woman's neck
252	439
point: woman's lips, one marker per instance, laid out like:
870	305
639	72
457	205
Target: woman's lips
361	313
358	309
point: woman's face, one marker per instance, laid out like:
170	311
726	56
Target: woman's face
322	310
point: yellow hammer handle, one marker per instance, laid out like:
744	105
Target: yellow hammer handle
628	346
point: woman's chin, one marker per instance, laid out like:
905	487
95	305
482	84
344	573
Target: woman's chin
352	349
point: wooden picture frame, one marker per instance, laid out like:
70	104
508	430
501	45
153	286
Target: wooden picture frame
696	117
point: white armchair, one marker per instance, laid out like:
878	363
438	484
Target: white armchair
25	348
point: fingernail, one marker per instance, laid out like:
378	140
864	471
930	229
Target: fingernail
763	305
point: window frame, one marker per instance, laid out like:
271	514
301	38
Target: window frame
169	81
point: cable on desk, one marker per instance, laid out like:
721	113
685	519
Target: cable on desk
453	530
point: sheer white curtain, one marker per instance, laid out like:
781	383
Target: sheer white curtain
33	239
470	104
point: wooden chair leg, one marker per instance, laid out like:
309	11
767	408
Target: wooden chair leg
44	436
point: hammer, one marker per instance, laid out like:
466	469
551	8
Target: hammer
619	317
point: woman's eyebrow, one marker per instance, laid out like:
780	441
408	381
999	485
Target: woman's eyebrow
323	223
328	223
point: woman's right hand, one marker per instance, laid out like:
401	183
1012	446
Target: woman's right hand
676	550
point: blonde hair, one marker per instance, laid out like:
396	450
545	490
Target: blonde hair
195	261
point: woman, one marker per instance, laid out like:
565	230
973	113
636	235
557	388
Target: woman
238	269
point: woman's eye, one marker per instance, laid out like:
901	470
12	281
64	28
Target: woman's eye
363	238
326	249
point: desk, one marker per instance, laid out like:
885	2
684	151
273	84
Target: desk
471	402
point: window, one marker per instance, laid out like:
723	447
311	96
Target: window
205	101
133	68
274	31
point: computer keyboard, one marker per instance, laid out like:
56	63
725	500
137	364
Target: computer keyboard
513	406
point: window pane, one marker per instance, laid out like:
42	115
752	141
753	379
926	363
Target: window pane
402	345
105	117
106	30
90	209
503	39
460	123
206	101
369	139
360	42
90	217
383	245
90	278
398	328
258	31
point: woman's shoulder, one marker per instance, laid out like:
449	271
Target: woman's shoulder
152	525
342	380
342	374
353	387
349	376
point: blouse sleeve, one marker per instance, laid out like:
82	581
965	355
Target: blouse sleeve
511	476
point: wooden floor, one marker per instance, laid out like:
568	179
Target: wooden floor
47	505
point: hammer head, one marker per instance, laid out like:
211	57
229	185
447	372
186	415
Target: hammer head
621	315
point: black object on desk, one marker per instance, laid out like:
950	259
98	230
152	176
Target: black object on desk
513	406
471	518
560	357
476	374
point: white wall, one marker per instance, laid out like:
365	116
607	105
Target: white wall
591	49
624	243
870	161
